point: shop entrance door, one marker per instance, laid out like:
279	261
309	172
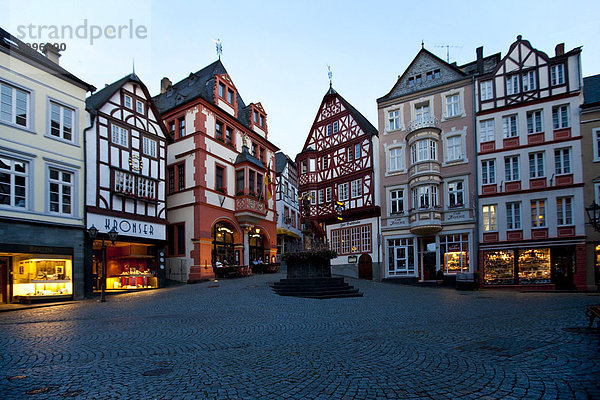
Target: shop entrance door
5	282
563	265
427	258
365	267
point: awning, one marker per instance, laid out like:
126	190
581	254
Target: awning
283	231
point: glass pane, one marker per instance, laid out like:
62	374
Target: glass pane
53	175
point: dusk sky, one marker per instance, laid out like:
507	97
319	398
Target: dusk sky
277	52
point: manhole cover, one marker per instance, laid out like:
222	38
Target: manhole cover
72	393
212	286
158	371
578	329
12	378
38	390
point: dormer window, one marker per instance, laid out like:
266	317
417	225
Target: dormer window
230	96
411	81
436	73
418	79
221	90
256	117
262	121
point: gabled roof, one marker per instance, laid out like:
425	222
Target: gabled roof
16	48
364	123
281	160
245	156
423	61
591	90
199	85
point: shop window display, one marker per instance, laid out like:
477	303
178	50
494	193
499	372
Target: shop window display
128	266
454	253
499	267
534	266
37	275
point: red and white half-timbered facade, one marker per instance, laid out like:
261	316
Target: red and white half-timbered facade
531	207
126	147
221	204
336	168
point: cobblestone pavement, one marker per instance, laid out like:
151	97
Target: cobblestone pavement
236	339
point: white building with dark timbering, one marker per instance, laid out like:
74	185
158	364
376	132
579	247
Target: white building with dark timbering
289	234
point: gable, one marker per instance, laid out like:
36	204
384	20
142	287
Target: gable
521	55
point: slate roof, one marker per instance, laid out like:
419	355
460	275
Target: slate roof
364	123
281	160
21	51
199	85
246	156
97	100
591	90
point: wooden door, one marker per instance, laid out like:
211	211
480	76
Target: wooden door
365	267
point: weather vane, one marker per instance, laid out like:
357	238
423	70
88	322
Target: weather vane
219	47
329	74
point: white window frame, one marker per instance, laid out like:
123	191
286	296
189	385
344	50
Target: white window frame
538	213
357	151
488	172
393	120
535	122
557	74
512	168
128	104
454	151
512	84
342	190
396	201
335	127
14	90
149	146
456	194
321	196
328	194
487	130
328	129
489	215
12	176
529	82
513	215
453	105
510	126
313	197
356	188
596	143
422	112
486	90
120	136
62	185
424	150
537	165
139	106
64	112
395	157
562	161
564	211
560	117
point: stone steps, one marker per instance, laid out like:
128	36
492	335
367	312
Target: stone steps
315	288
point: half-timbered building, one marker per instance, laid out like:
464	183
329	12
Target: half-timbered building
337	171
289	235
427	169
530	171
221	205
126	146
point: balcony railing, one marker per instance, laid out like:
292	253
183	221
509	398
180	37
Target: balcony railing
246	203
423	122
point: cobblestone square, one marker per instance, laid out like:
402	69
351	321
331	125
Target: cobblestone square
236	339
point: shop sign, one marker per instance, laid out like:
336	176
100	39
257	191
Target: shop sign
352	259
454	247
127	227
456	216
350	223
398	221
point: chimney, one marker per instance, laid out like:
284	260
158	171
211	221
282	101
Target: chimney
165	83
479	52
51	53
560	49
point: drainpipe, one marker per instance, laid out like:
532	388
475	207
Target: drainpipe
476	185
87	252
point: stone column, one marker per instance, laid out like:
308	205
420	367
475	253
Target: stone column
247	246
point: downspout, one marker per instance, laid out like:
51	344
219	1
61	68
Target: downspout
476	186
87	252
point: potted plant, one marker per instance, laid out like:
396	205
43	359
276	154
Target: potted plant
439	276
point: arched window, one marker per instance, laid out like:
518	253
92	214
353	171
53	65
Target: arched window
222	235
257	250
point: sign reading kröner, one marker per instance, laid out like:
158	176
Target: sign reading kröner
127	227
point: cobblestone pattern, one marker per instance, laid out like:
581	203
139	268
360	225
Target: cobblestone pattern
236	339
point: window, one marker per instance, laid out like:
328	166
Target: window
512	84
312	165
393	120
219	175
303	168
596	139
509	126
357	151
255	150
411	81
230	96
564	210
251	177
328	194
120	136
61	121
356	188
343	191
489	218
418	79
536	165
529	81
452	105
538	213
13	182
256	117
396	201
557	74
401	257
486	90
424	150
350	153
149	146
262	120
181	176
171	176
176	238
219	130
313	197
488	172
259	184
534	122
325	161
221	90
454	148
422	112
513	215
486	130
239	182
560	117
396	159
436	73
172	128
127	101
329	130
562	161
229	135
181	127
335	127
430	76
261	152
61	191
456	193
425	196
321	196
14	105
139	107
354	240
511	168
146	188
124	183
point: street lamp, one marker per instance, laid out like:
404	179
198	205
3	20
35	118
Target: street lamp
593	213
112	235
